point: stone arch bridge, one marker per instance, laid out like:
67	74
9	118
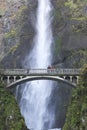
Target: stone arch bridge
14	77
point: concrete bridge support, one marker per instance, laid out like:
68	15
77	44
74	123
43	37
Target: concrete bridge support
8	80
12	79
73	79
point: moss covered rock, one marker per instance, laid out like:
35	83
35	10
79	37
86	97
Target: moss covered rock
10	117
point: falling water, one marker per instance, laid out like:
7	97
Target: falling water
36	94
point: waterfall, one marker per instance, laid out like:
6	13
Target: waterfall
36	94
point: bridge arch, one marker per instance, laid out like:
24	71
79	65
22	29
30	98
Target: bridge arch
32	78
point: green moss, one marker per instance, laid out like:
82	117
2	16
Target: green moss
81	27
76	10
79	57
70	4
14	48
21	10
2	12
11	33
79	18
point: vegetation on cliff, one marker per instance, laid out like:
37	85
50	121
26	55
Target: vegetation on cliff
69	30
75	58
10	117
77	14
76	118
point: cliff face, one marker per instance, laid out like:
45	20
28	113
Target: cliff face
17	23
70	29
9	11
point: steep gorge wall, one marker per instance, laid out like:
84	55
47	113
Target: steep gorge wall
17	21
70	31
17	31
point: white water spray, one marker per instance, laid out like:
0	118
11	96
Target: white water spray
35	96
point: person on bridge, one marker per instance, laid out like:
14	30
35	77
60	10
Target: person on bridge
50	69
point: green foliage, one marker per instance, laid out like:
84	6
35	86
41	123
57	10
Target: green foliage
79	58
70	4
76	118
76	9
84	76
10	118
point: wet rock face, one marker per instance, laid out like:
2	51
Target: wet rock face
17	32
69	29
8	23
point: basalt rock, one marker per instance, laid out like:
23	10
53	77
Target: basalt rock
17	23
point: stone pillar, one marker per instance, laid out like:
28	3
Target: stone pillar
8	81
14	78
71	78
77	79
1	78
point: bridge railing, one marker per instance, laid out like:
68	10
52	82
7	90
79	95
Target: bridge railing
69	71
13	71
27	72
